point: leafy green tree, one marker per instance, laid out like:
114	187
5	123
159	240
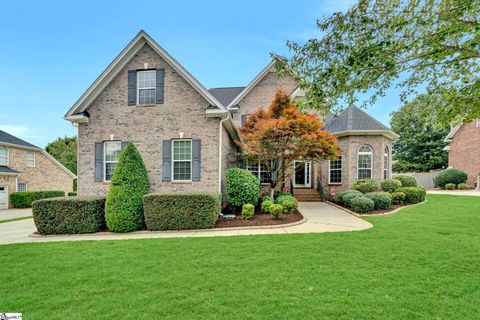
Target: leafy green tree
431	45
64	150
420	146
124	205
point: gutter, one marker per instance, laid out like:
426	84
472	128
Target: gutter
220	144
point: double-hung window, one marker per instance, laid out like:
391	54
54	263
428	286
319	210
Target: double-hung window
260	169
365	162
182	160
386	163
112	151
146	86
30	158
335	171
3	156
22	186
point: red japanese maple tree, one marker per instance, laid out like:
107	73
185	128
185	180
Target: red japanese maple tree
282	134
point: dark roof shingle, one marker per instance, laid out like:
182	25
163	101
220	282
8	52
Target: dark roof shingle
352	119
226	95
5	169
8	138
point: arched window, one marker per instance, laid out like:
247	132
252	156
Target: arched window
365	162
386	163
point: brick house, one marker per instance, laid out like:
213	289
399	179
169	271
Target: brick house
463	149
26	167
187	134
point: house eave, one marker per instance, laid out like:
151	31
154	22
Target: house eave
77	118
386	133
19	146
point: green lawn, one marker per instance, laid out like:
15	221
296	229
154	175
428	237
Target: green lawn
421	263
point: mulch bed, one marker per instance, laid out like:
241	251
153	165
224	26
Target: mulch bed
375	212
259	219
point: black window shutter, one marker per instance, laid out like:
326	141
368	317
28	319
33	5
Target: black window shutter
132	87
98	161
167	160
196	159
160	85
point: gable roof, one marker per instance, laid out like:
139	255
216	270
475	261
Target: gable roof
12	140
354	120
251	85
452	132
4	170
226	94
120	61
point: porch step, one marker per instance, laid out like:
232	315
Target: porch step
307	195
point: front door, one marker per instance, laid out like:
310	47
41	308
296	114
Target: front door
303	174
3	198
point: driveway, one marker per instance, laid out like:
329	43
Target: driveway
15	213
319	217
455	192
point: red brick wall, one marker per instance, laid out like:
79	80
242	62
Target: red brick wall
464	151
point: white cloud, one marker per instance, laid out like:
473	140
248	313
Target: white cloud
20	131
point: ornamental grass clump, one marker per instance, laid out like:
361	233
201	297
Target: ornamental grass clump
124	205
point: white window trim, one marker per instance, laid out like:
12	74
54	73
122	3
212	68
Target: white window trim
8	156
330	170
477	122
258	172
34	159
26	186
105	159
371	160
386	163
173	160
146	88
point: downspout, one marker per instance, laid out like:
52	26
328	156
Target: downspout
220	134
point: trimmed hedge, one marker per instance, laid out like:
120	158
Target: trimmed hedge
398	197
381	200
390	185
24	199
451	175
340	196
123	208
349	197
242	187
362	204
366	185
69	215
413	194
275	211
450	186
406	181
248	211
181	210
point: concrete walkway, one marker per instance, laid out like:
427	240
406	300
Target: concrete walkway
455	192
15	213
319	217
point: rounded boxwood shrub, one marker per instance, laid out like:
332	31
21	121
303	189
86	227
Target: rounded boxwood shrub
24	199
362	204
242	187
451	175
390	185
413	194
266	203
349	197
450	186
289	205
366	185
69	215
398	197
276	211
124	208
181	210
381	200
462	186
248	210
406	181
341	195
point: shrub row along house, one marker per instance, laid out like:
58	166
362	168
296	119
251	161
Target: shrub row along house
24	167
187	135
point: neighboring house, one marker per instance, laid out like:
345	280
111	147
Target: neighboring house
187	135
464	149
25	167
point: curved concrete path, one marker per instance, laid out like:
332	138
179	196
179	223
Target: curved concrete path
320	217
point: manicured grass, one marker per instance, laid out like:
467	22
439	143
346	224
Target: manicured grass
15	219
421	263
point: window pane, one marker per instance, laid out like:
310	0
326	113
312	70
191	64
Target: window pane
364	161
146	79
146	96
113	149
182	150
3	156
364	174
109	169
336	171
22	186
182	170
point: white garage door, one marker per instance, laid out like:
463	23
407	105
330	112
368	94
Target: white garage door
3	198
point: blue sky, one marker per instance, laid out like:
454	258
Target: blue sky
51	51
